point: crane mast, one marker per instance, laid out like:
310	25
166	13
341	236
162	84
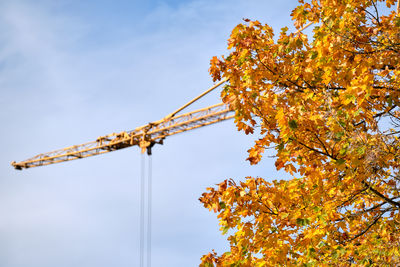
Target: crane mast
144	136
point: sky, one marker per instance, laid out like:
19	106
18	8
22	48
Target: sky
71	71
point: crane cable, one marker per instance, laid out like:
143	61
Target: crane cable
142	180
145	225
149	204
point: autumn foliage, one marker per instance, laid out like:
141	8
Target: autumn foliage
327	107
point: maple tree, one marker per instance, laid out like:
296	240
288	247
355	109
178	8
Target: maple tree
328	106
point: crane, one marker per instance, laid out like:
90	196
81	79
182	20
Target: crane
145	136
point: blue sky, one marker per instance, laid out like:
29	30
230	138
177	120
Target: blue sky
71	71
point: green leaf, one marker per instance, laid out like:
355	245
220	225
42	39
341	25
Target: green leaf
225	230
339	135
397	21
311	251
281	146
390	101
302	222
340	161
361	150
314	54
293	124
334	254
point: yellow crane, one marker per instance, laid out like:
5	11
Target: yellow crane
144	136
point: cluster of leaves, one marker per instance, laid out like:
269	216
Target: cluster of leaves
330	108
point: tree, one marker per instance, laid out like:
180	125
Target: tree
329	110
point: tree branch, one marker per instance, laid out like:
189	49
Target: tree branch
379	194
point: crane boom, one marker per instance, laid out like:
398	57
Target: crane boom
145	137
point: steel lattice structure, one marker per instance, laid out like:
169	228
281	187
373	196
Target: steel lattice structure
144	137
